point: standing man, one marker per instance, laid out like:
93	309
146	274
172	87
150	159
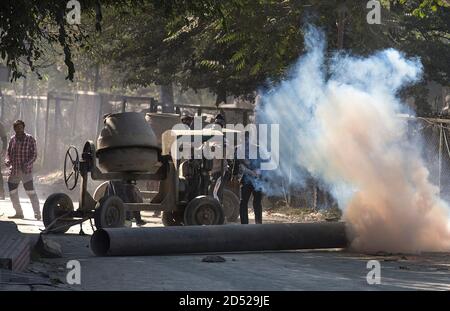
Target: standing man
20	157
4	139
250	180
219	171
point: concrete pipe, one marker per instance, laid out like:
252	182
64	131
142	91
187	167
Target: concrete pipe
224	238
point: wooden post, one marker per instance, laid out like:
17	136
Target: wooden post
36	117
245	118
153	105
56	127
124	104
167	98
57	113
20	109
75	112
99	116
2	111
24	93
342	19
441	132
96	76
44	154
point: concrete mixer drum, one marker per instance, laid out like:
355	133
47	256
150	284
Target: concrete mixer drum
127	143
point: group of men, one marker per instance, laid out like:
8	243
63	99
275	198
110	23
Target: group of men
245	169
20	154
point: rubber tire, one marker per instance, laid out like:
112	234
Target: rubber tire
100	191
103	208
55	204
230	206
172	218
190	213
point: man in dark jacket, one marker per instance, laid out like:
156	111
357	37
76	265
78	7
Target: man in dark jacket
250	180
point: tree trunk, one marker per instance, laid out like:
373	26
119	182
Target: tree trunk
23	101
167	100
340	23
340	30
221	97
97	77
2	109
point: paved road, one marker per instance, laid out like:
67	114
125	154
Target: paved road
295	270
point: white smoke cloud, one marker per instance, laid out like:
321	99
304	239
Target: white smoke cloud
340	126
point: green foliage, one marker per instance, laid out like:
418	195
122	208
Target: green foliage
426	7
230	47
30	27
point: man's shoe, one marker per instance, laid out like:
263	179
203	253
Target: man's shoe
17	216
38	216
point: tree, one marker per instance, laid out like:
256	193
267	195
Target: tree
207	47
234	47
424	7
28	27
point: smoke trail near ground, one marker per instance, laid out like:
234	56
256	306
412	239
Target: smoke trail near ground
338	122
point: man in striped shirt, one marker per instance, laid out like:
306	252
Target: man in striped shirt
20	157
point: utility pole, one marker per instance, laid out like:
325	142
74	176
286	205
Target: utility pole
342	12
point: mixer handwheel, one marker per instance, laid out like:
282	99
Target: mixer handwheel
71	168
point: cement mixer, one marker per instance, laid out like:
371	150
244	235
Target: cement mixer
128	151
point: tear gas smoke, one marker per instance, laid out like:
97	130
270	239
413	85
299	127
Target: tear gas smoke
338	124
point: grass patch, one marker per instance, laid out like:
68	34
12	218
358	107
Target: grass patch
306	214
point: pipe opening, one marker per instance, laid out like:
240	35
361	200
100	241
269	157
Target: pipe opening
100	242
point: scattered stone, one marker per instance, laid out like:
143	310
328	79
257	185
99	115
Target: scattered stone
382	253
213	259
390	259
48	248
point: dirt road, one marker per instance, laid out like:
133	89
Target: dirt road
293	270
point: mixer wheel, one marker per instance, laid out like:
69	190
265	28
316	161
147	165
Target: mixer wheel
110	213
203	210
230	203
55	212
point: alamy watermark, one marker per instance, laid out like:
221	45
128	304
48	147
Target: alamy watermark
374	15
74	275
374	275
73	16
